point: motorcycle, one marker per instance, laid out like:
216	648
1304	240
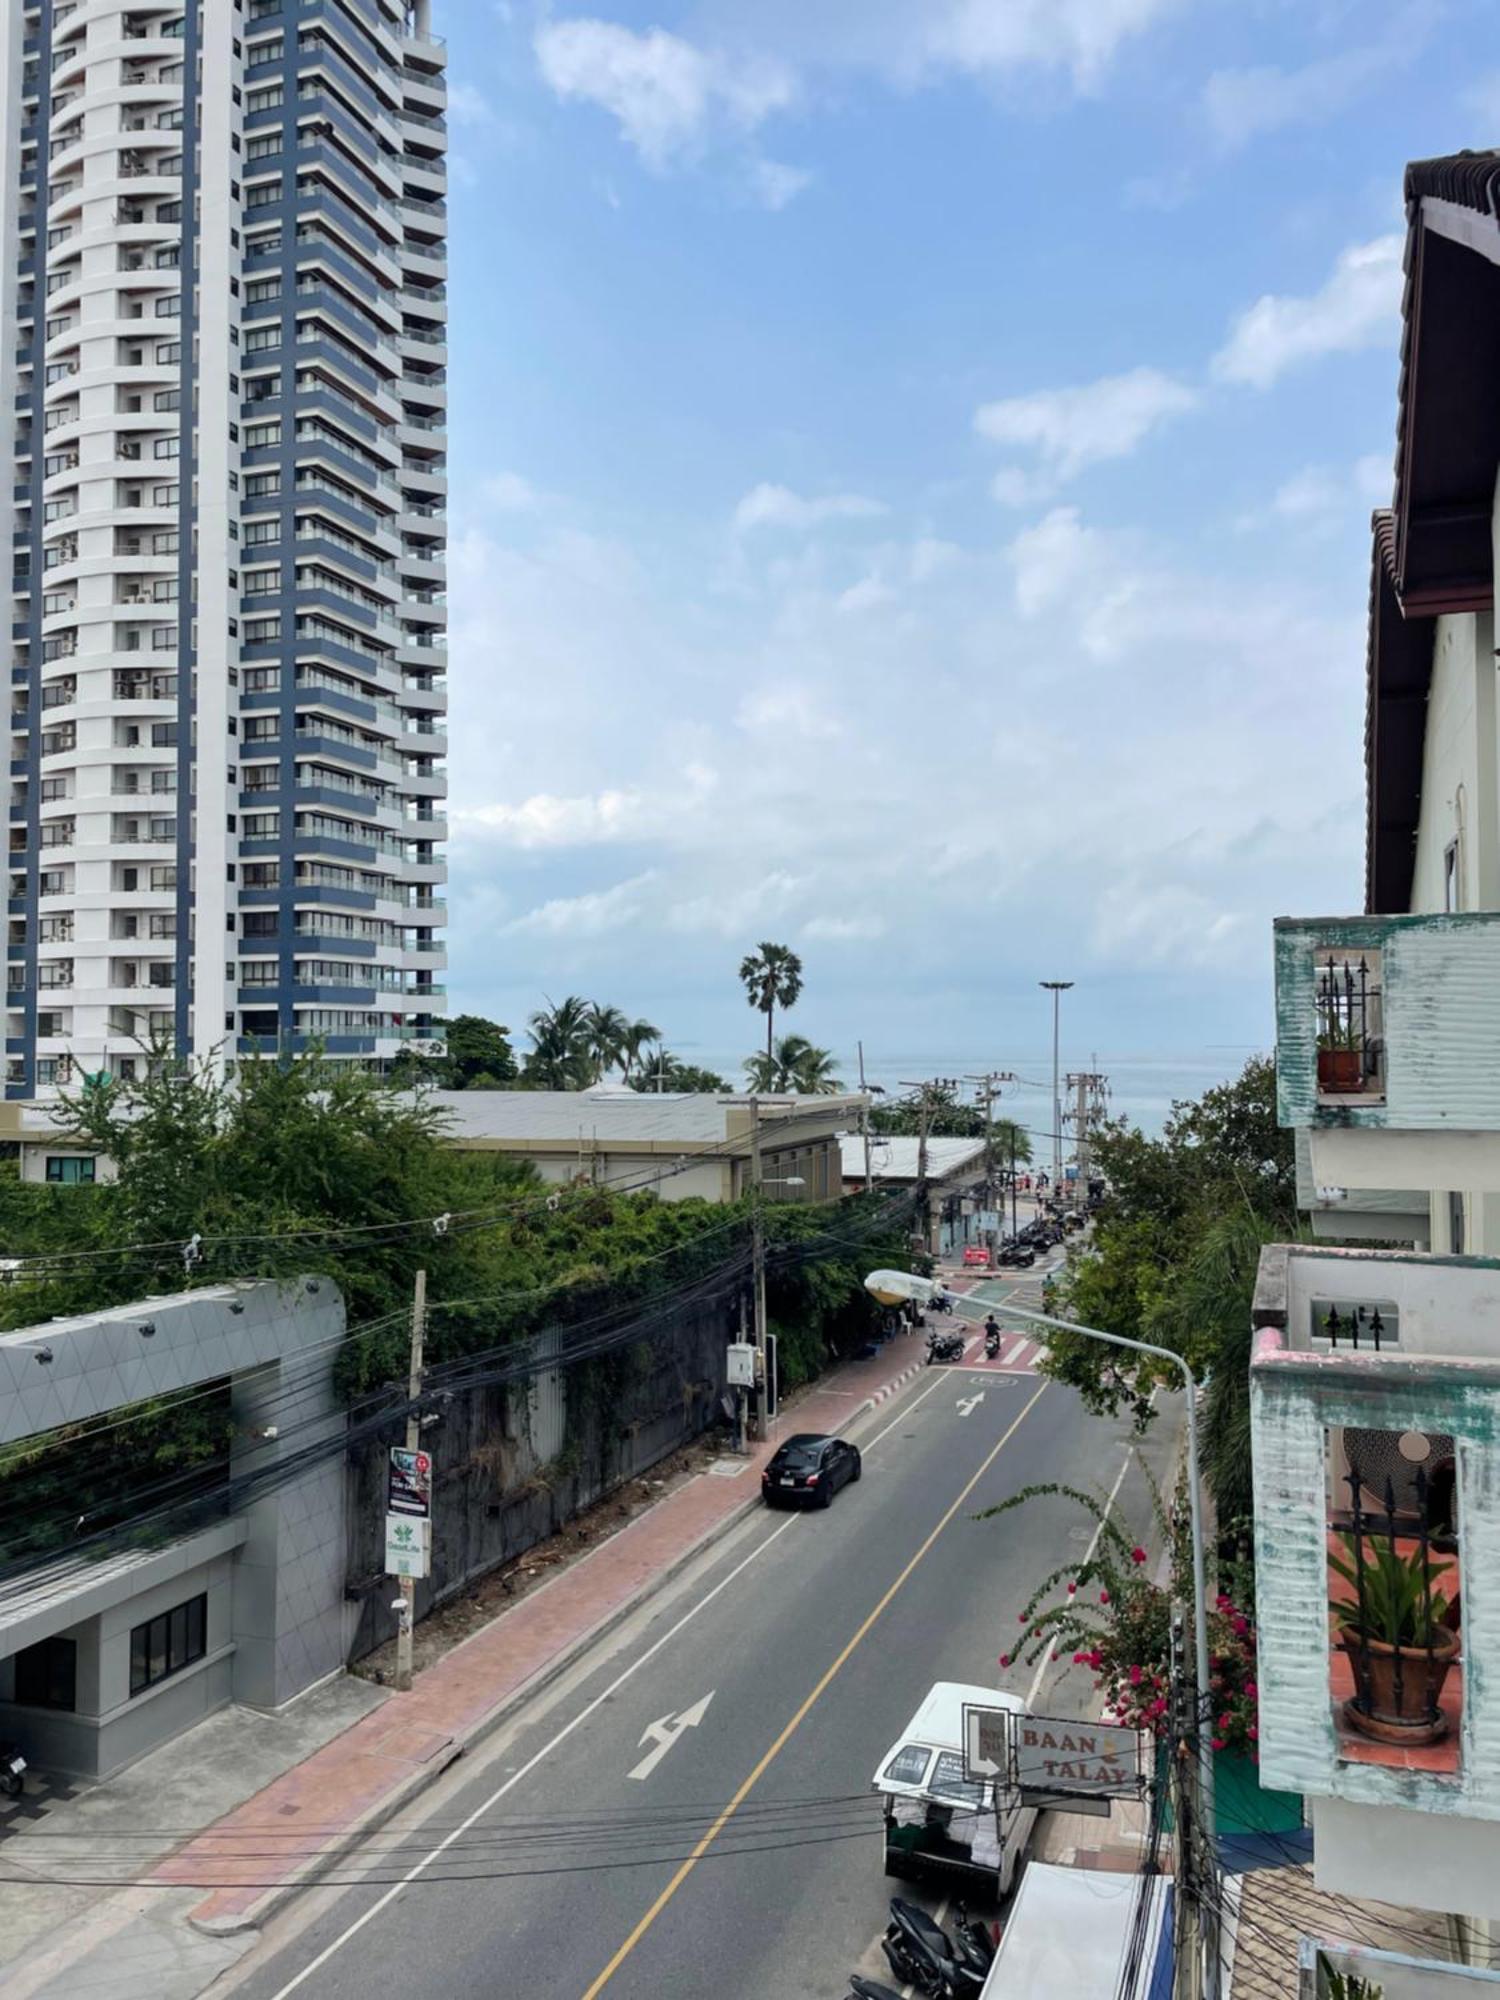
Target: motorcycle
940	1303
974	1941
944	1346
12	1771
870	1989
991	1343
922	1955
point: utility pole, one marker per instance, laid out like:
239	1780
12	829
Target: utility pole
933	1087
758	1266
989	1089
864	1119
413	1443
1057	988
1090	1090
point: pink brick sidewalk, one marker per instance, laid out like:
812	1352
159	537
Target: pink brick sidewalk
318	1808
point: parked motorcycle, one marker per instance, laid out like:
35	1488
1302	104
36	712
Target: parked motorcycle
870	1989
922	1955
944	1346
974	1941
12	1771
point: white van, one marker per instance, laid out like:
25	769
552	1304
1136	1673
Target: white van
938	1822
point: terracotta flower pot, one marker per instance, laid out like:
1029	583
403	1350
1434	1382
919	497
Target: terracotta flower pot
1411	1714
1340	1070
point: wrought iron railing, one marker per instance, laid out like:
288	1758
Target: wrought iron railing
1349	1033
1398	1624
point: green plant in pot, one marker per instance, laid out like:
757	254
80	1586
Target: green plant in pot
1341	1056
1399	1639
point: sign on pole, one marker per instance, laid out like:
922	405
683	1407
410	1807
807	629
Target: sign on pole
1069	1758
408	1546
408	1488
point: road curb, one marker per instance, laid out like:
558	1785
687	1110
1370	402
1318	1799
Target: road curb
311	1872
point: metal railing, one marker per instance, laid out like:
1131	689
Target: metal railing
1400	1629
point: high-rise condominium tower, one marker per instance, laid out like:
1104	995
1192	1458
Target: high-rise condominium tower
222	385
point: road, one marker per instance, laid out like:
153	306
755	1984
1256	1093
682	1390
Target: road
688	1813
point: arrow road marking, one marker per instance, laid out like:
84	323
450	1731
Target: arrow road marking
966	1403
664	1732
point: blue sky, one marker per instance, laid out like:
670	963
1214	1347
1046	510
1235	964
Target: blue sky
911	470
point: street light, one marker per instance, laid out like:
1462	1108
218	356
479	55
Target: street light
891	1285
1057	988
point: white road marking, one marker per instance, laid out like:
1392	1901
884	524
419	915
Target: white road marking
421	1866
664	1732
966	1404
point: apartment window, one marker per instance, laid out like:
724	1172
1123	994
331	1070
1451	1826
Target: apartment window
266	99
261	531
263	145
166	542
167	399
261	289
169	211
47	1673
54	882
163	637
262	826
263	338
264	195
262	875
165	496
168	447
164	878
169	307
258	631
168	353
70	1170
166	1644
262	434
262	485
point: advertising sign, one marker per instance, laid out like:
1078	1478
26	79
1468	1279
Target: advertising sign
408	1546
1070	1757
408	1487
987	1742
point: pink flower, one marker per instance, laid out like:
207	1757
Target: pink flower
1104	1597
1252	1690
1023	1617
1240	1626
1158	1707
1137	1555
1253	1733
1005	1659
1096	1659
1072	1590
1080	1659
1218	1742
1135	1677
1225	1720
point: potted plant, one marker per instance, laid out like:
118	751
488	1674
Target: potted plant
1399	1640
1341	1058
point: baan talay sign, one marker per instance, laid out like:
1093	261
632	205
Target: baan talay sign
1047	1759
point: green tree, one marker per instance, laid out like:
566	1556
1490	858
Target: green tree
795	1064
947	1118
562	1046
1173	1258
480	1056
635	1041
609	1033
772	978
659	1068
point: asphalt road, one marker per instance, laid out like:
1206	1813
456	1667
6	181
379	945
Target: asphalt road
743	1860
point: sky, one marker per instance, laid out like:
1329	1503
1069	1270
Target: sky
911	472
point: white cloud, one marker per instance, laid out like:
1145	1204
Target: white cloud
1318	492
1482	100
511	493
769	506
844	930
662	90
869	594
774	184
1069	429
673	97
1242	104
786	709
1355	308
930	556
1051	560
591	819
593	914
467	104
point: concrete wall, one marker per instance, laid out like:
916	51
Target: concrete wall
513	1468
1458	769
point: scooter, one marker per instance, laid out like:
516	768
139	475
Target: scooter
12	1771
870	1989
940	1303
922	1955
974	1941
992	1343
945	1346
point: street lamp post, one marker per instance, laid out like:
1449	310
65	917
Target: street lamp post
875	1281
1057	988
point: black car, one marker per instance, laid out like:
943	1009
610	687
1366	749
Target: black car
809	1469
1017	1256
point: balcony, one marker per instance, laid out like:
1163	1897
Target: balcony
1375	1395
1385	1032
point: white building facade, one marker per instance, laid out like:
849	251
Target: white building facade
224	235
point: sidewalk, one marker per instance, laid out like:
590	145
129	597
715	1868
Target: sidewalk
320	1808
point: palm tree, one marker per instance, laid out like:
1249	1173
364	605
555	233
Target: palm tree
772	978
794	1065
608	1029
562	1046
633	1045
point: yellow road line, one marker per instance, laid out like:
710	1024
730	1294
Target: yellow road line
598	1986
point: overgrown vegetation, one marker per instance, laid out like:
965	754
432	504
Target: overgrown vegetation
299	1167
947	1118
1173	1261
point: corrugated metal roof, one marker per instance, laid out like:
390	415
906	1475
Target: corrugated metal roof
895	1159
623	1117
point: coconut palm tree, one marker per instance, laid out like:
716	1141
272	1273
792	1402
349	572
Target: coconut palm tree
794	1065
772	978
634	1043
608	1029
562	1046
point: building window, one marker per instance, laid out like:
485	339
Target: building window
166	1644
47	1674
69	1170
1456	1224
